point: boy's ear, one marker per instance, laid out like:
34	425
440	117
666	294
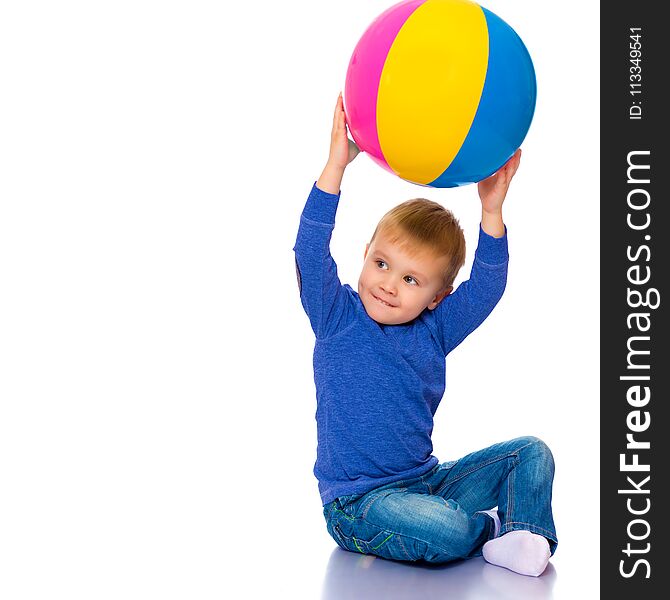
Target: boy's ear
439	297
367	247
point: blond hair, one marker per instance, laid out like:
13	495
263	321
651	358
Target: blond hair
423	225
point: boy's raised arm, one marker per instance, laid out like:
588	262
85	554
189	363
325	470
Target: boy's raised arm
463	311
320	289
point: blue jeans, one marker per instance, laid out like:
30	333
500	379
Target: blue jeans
436	518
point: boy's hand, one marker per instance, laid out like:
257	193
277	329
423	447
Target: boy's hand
342	149
492	192
493	189
342	152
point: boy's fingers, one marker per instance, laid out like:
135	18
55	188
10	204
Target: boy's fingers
339	111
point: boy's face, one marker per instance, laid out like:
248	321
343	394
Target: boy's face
396	287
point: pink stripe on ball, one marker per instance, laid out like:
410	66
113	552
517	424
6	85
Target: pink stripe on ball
362	84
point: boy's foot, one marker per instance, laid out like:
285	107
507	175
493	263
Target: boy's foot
520	551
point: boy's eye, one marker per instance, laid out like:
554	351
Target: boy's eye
380	263
411	280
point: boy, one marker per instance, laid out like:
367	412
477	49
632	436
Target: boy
379	370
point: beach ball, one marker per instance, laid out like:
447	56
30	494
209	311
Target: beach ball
439	92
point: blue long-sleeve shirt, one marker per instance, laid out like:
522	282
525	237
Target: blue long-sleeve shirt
378	386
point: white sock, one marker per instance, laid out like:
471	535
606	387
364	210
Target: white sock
520	551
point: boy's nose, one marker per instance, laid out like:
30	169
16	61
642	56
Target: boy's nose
389	288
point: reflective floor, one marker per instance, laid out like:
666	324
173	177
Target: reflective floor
352	576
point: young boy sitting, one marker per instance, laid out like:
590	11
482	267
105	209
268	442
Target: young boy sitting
379	370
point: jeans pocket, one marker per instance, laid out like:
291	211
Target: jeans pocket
348	504
343	541
361	537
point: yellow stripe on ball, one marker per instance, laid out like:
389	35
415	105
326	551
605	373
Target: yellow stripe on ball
430	87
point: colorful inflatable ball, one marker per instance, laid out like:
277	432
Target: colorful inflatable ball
439	92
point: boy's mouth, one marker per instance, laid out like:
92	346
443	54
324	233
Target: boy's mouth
382	301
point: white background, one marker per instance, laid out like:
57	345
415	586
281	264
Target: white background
157	431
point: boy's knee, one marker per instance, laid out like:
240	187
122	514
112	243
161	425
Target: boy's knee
539	449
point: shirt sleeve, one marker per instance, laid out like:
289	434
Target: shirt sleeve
322	295
464	310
